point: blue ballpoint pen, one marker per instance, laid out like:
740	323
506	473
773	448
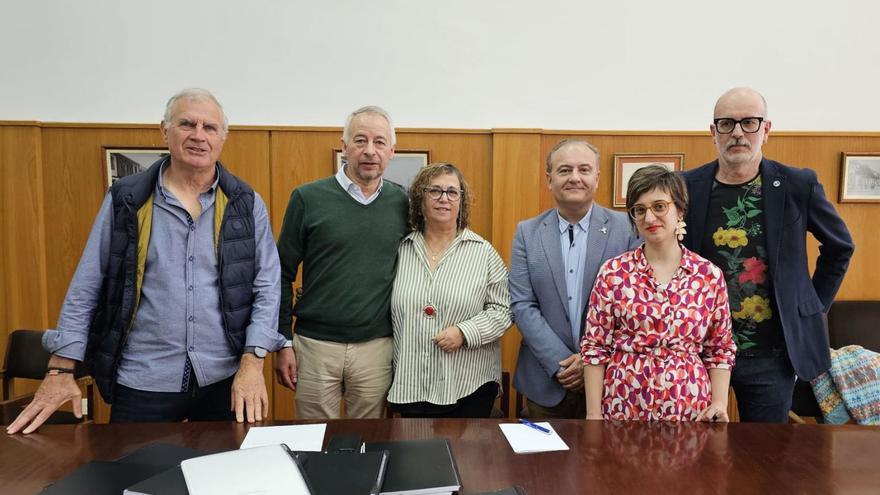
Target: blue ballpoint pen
533	425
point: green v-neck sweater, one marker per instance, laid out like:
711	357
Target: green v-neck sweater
348	253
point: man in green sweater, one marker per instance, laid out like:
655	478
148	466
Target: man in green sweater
345	230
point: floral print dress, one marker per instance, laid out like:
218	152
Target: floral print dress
657	341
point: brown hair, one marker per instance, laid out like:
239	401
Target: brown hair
656	176
417	194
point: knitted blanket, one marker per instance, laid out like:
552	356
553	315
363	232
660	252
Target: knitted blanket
851	388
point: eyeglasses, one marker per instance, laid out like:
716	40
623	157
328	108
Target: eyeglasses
452	194
658	208
748	124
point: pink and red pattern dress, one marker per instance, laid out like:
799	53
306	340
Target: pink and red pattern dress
657	341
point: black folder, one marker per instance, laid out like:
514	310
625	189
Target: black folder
168	482
113	477
163	454
418	466
102	477
344	473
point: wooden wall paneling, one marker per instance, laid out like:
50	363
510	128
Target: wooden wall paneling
822	154
247	155
74	186
517	181
23	277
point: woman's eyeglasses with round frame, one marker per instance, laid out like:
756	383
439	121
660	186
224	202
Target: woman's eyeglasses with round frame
658	208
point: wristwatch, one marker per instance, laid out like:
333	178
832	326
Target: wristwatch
256	351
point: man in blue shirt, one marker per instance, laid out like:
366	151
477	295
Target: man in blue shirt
174	303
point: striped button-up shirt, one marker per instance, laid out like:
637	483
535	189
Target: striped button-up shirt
468	290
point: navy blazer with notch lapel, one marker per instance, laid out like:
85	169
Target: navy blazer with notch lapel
538	294
794	203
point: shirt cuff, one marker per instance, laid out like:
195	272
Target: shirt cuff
267	338
64	344
471	334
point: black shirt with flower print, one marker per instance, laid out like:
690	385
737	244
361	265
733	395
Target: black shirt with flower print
736	243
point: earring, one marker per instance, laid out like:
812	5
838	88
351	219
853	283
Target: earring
680	229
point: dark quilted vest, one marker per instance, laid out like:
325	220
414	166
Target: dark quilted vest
116	303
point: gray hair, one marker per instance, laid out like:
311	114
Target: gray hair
371	110
193	94
569	142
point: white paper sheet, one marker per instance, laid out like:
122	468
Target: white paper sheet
267	470
298	437
525	439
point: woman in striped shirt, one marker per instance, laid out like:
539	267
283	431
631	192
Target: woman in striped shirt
449	306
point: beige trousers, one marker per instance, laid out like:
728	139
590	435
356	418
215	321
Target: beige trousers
327	372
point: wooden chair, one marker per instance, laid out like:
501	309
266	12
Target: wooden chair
26	359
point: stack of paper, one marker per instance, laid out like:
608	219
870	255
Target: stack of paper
302	438
525	439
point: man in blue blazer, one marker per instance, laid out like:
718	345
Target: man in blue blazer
750	216
554	262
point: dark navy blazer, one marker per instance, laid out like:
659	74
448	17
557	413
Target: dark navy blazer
794	204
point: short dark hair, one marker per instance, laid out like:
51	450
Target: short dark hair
417	194
656	176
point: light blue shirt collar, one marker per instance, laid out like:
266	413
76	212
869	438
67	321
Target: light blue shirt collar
354	190
583	223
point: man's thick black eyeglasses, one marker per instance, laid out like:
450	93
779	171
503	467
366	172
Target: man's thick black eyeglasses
452	194
748	124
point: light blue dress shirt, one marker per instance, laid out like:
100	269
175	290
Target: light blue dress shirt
574	256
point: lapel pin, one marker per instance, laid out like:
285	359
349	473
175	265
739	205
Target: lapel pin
603	230
776	183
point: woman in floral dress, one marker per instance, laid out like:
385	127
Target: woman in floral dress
657	344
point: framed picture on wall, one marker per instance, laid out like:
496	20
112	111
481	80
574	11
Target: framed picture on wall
401	170
627	163
120	162
860	177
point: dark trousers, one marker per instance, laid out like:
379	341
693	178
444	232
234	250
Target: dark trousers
572	406
211	403
476	405
763	388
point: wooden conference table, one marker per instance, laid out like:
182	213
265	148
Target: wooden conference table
605	457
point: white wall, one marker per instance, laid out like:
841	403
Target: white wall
616	64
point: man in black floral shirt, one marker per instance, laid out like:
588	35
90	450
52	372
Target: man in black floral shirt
750	215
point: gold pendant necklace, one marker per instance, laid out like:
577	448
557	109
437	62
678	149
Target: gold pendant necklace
438	254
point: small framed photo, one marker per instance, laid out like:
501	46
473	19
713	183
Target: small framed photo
627	163
402	168
860	177
120	162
